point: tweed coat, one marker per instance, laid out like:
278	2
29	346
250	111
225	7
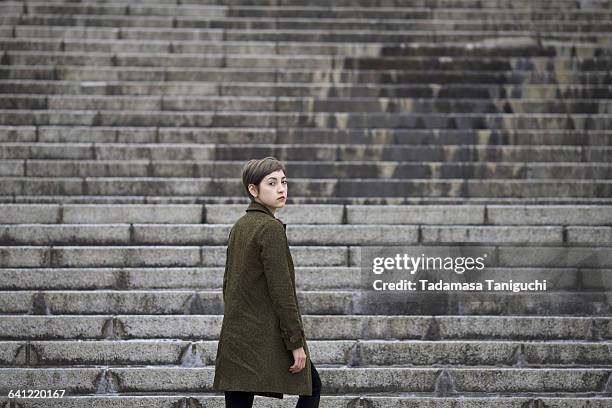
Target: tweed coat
262	322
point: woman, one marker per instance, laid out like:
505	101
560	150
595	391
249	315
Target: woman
262	347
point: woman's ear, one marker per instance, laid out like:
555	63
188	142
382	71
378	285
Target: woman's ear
253	190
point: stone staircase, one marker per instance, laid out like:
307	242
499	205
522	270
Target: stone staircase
448	126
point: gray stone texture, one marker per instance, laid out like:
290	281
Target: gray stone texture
446	128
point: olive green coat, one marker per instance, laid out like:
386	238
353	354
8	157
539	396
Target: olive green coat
262	322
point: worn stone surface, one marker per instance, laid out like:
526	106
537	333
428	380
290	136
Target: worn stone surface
444	129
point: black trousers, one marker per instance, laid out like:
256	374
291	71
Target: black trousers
244	399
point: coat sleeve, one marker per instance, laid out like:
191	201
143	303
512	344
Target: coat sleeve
276	269
225	272
227	262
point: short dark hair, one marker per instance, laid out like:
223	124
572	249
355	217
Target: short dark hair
254	171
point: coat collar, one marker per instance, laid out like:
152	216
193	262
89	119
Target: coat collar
255	206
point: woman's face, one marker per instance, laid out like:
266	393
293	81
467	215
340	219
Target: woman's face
272	191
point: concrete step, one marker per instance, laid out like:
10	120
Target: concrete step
227	213
303	90
208	11
495	4
72	256
320	169
352	353
281	29
352	11
196	327
337	76
310	200
334	302
471	62
316	152
300	234
360	29
343	120
319	30
298	104
303	136
307	278
520	46
337	255
335	380
346	400
355	191
412	30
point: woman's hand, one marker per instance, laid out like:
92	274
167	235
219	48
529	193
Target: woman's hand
299	360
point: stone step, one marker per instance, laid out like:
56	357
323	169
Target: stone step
337	76
413	32
208	11
352	353
519	46
317	120
227	213
316	152
308	104
303	136
73	256
335	380
318	30
319	327
346	400
303	90
320	169
474	62
310	200
338	255
281	28
257	11
307	29
493	214
300	234
495	4
307	278
334	302
355	191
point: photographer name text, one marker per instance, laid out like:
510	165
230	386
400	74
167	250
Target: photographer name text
440	285
406	264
